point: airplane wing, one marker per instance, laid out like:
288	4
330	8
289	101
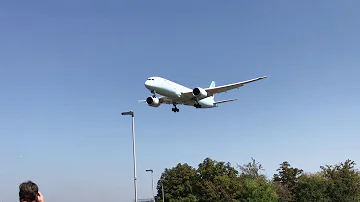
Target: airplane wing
224	88
221	89
166	100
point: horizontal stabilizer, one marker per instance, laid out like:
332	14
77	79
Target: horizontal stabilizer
141	100
223	101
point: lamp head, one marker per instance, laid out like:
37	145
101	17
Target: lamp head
128	113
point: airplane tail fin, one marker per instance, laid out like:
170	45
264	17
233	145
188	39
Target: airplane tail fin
212	85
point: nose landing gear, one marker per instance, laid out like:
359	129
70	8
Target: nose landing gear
154	93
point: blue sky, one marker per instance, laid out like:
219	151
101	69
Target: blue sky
69	68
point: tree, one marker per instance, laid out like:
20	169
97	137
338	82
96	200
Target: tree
251	170
217	182
286	180
312	188
258	190
255	186
209	168
344	181
178	184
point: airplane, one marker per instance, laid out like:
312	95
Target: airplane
173	93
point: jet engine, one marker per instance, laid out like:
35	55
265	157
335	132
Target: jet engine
200	93
153	101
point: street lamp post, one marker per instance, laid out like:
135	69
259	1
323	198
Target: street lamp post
134	150
152	182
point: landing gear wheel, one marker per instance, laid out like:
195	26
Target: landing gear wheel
197	105
175	109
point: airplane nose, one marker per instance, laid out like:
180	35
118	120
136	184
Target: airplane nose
147	84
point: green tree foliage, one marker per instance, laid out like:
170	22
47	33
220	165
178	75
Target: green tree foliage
178	184
251	170
336	183
255	186
312	188
215	181
258	190
285	181
343	180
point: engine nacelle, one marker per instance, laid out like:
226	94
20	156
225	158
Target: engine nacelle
199	93
153	101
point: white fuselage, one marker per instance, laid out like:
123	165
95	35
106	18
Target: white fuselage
173	90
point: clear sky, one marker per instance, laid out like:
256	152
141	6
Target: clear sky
69	68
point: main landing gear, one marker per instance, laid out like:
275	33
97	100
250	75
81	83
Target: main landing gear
197	105
175	109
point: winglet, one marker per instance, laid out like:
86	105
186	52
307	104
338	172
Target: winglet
255	79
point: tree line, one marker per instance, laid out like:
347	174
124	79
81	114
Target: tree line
215	181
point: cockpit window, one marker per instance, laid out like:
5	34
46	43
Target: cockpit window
151	79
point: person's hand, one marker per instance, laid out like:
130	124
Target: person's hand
40	197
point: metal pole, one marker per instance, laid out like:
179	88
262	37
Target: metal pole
134	150
134	156
162	187
152	184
